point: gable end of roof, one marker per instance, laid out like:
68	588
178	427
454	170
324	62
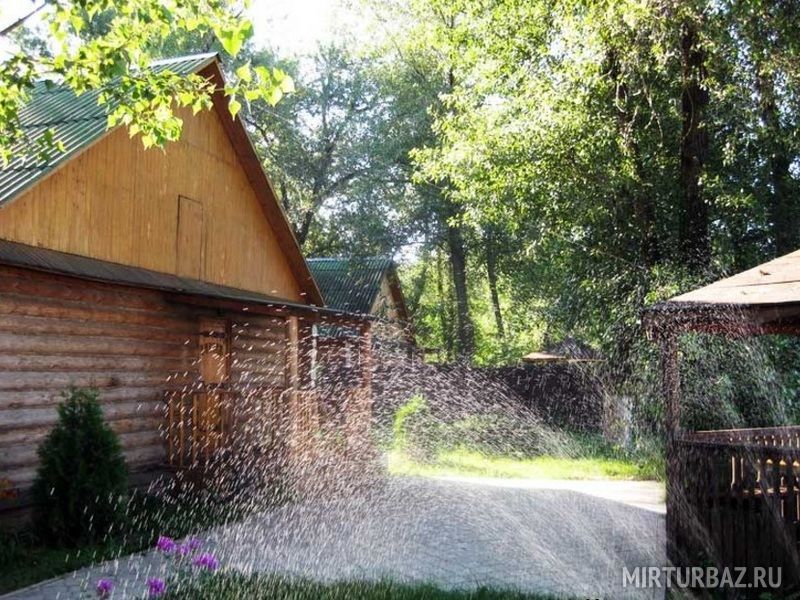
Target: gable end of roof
79	122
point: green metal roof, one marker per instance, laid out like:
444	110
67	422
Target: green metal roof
350	284
77	121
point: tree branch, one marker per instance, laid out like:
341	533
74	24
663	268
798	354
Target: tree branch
9	28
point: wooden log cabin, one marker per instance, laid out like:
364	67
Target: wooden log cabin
733	495
364	286
168	280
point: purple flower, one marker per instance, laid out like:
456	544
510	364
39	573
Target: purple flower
206	561
104	587
156	587
189	546
194	543
166	544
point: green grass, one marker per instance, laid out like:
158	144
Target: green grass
507	445
24	561
466	463
228	586
577	456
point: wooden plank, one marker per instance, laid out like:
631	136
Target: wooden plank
26	455
62	287
77	345
18	419
23	306
30	398
190	239
92	364
64	326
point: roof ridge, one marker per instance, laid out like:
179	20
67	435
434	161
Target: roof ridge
200	55
59	86
340	258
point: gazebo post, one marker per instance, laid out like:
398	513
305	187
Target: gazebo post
360	409
670	384
365	351
670	390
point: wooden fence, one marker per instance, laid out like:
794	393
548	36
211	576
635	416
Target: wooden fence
737	499
206	428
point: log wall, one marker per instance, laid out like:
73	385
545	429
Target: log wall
56	332
259	376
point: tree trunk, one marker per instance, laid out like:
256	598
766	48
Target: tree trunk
418	286
305	227
491	273
634	196
287	205
444	323
695	245
458	260
783	215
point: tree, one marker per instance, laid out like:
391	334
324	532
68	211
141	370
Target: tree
694	234
337	150
81	481
116	47
621	151
420	24
317	142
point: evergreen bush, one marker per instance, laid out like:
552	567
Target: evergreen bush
82	479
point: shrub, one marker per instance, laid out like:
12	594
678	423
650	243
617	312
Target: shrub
415	430
82	477
497	433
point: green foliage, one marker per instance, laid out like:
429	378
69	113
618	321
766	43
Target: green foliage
227	586
336	150
572	457
498	433
82	479
415	429
468	463
730	384
10	550
108	46
502	443
561	131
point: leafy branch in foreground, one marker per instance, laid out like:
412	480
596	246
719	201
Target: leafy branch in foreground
115	61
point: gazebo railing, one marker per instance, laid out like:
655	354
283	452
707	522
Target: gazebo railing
781	437
738	498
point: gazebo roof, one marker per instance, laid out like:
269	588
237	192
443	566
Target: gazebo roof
774	282
547	357
569	350
766	297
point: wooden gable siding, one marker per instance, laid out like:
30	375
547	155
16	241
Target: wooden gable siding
56	332
119	202
385	305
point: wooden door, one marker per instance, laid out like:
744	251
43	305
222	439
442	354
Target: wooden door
190	242
213	405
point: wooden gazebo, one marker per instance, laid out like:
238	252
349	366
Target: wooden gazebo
733	496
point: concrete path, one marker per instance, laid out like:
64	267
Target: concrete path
647	495
565	538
